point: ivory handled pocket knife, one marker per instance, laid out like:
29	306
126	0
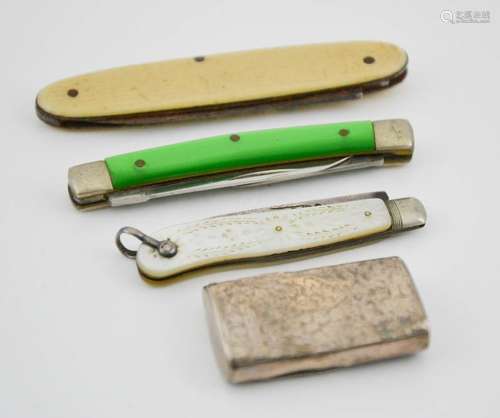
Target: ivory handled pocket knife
271	233
238	160
208	86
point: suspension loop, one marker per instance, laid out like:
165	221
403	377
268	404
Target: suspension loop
166	248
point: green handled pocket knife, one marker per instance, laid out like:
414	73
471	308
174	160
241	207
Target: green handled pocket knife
238	160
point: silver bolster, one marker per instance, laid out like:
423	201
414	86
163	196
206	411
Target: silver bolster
89	182
407	213
394	139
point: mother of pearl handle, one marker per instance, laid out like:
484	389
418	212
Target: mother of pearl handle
254	235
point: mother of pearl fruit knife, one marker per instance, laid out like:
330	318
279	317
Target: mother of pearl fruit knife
239	159
263	234
193	88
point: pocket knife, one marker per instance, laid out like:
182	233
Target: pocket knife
271	233
239	159
208	86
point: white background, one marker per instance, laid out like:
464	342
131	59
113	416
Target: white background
81	335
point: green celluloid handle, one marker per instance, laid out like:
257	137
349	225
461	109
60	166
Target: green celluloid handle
239	151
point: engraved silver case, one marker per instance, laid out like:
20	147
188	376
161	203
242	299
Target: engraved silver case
338	316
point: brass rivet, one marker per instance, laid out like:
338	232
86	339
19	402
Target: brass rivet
234	138
368	213
368	60
344	132
199	59
278	228
72	92
140	163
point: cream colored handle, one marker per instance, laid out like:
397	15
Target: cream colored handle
221	80
260	234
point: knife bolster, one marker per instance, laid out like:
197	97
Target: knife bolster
394	138
407	213
89	183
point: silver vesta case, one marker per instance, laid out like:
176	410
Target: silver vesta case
337	316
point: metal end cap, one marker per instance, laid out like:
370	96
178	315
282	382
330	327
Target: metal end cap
394	138
407	213
89	182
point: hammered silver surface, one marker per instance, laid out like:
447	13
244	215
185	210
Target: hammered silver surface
283	317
